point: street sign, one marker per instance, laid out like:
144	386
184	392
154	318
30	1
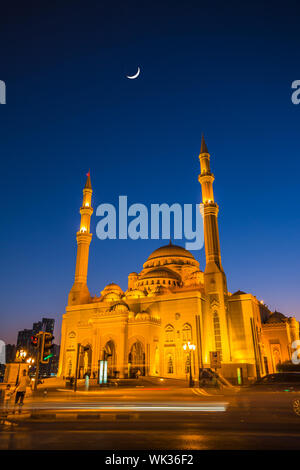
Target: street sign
215	359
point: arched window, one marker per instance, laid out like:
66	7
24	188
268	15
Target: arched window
169	333
170	364
186	332
217	331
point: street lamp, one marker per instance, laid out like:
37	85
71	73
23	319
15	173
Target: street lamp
190	347
21	354
20	357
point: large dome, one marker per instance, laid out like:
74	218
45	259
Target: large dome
158	277
170	254
168	266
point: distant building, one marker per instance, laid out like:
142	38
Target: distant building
47	324
10	351
24	339
36	327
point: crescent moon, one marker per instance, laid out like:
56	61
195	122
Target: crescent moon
132	77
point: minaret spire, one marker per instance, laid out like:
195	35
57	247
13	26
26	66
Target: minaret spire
88	184
210	209
79	292
203	145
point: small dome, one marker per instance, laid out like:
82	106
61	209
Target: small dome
239	292
112	287
133	274
276	317
134	294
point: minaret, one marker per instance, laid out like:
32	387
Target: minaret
79	293
214	277
209	211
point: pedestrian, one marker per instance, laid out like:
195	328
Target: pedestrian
7	396
23	382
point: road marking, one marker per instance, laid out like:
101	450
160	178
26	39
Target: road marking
201	391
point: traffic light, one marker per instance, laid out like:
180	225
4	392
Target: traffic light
34	341
46	351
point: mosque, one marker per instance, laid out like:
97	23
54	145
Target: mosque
174	319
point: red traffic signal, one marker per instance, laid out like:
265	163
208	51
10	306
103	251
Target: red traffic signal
34	341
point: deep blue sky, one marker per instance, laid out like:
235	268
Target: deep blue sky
222	68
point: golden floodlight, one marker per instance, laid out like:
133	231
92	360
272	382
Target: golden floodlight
189	346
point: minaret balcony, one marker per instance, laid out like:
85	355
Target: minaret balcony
86	210
206	178
210	209
83	237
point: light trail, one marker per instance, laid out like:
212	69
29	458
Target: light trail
207	407
159	408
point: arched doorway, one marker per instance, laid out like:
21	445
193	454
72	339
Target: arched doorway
85	361
136	359
276	356
110	355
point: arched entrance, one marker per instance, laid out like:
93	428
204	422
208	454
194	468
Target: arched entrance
136	360
85	361
110	355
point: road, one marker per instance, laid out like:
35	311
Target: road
153	417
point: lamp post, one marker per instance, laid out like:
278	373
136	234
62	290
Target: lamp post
190	347
76	367
21	355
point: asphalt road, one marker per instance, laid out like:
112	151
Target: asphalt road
150	417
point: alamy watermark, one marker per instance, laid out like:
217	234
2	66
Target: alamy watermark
2	92
296	353
137	222
296	94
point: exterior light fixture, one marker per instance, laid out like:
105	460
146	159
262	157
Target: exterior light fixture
190	347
